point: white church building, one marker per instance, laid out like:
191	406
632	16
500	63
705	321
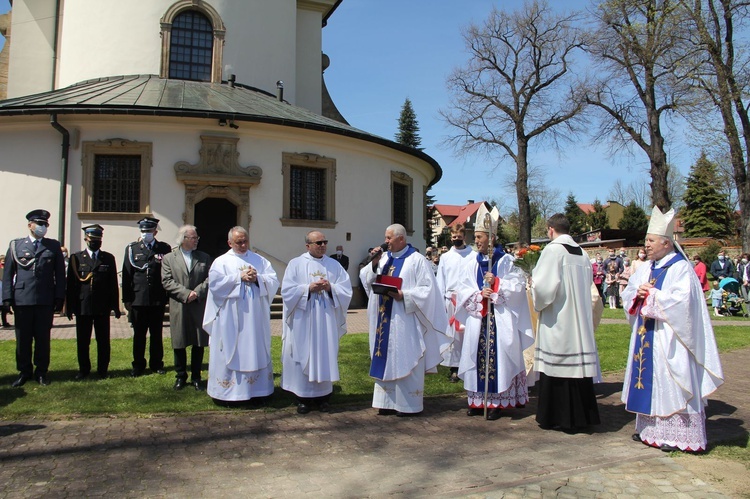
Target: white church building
205	112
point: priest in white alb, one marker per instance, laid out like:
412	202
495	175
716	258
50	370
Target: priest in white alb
673	362
498	327
241	286
316	291
566	359
449	273
407	324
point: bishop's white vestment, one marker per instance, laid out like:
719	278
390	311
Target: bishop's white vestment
238	321
313	325
510	333
674	363
407	336
449	273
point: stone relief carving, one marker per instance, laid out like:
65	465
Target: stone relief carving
218	158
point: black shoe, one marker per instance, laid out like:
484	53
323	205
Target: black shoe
475	411
197	385
303	408
454	378
22	379
7	324
387	412
135	373
81	376
494	414
43	380
408	414
160	371
669	448
636	437
180	383
103	375
324	407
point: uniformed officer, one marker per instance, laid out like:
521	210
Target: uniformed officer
34	285
93	292
144	297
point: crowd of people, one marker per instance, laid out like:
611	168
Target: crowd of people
469	312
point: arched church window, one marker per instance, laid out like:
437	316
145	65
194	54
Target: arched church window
192	42
191	50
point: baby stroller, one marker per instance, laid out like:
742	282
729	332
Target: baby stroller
731	302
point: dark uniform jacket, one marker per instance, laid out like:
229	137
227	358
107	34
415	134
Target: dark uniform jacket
39	276
343	260
92	284
186	319
141	274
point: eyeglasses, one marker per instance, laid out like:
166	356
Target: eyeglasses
43	224
193	238
319	243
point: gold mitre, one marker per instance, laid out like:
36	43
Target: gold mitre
487	220
661	224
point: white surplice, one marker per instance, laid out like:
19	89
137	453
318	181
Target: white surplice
238	321
418	325
686	364
565	344
510	308
449	273
313	324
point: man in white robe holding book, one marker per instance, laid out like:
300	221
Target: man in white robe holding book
407	324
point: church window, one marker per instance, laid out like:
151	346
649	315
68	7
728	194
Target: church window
190	54
309	188
116	179
307	193
401	200
192	42
117	183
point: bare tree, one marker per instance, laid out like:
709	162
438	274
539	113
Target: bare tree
724	82
642	48
517	86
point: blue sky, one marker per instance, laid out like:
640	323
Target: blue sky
383	51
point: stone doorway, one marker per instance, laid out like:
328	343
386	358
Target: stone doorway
213	218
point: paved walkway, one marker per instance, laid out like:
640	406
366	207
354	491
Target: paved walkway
352	452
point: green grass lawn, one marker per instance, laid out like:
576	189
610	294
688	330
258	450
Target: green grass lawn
153	394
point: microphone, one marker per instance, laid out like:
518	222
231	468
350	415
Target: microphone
383	247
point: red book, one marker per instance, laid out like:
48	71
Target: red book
385	283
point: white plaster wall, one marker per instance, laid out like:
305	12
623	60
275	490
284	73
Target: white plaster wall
32	51
121	38
29	171
309	64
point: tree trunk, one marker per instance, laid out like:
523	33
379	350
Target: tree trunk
522	193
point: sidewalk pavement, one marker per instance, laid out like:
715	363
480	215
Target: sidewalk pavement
352	452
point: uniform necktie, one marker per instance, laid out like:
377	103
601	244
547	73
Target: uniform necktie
36	245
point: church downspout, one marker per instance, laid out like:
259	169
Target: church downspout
64	176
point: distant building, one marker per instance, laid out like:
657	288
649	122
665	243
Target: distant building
446	216
613	209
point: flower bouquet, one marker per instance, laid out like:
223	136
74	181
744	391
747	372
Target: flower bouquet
527	257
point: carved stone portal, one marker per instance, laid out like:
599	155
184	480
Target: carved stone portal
218	174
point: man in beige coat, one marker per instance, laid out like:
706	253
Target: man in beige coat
184	275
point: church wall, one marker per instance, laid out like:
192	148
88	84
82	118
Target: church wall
259	48
32	56
30	172
309	64
105	38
